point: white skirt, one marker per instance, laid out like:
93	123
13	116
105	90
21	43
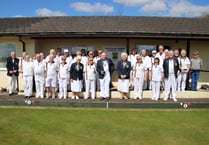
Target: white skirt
123	85
76	86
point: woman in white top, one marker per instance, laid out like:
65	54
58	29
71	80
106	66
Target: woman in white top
51	76
90	78
27	73
184	64
63	77
139	75
156	76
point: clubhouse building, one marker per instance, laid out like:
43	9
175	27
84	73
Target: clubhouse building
112	34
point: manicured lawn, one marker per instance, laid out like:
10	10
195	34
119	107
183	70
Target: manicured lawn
66	126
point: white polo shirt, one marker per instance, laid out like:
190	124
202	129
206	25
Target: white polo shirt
39	68
139	70
184	62
27	67
156	72
51	69
63	71
132	59
90	71
147	62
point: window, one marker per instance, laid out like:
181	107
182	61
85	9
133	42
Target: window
76	48
5	49
149	48
73	49
114	53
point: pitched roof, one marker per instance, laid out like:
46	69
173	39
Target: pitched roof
132	26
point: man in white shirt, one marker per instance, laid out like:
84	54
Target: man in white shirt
39	72
105	68
56	57
161	54
147	63
170	67
27	73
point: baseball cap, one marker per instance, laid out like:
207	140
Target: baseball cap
154	51
66	50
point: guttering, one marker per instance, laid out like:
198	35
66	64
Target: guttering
23	44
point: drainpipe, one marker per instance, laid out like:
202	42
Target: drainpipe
23	50
23	44
188	46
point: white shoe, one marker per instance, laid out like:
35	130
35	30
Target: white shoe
140	98
156	99
165	99
42	97
37	97
53	97
73	97
65	98
175	100
153	98
60	97
76	97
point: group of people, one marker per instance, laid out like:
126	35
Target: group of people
165	70
93	72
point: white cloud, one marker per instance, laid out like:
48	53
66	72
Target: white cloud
19	16
132	2
145	5
92	8
187	9
48	12
177	8
154	6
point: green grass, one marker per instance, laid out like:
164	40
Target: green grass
66	126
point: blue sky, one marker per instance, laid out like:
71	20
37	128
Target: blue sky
175	8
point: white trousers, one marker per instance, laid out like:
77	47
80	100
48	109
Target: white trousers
138	87
105	86
181	85
39	81
90	87
12	83
63	87
28	85
155	89
170	83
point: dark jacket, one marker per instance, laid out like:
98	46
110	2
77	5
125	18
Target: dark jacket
100	67
166	67
12	66
124	70
76	74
